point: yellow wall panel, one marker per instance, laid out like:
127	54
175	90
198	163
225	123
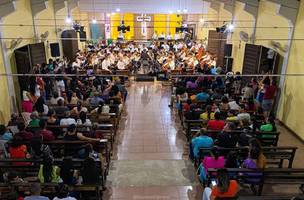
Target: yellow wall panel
174	22
160	23
129	21
115	22
267	20
4	97
292	101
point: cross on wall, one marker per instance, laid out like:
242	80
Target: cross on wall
143	18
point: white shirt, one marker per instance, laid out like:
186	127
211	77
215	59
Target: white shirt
176	36
166	47
233	105
67	198
86	123
121	65
172	65
169	37
105	64
67	121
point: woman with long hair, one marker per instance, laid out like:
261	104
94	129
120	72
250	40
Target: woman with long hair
90	172
214	161
67	171
208	114
222	188
48	173
40	106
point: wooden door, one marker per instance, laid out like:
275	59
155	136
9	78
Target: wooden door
216	45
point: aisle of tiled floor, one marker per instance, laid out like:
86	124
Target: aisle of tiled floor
148	162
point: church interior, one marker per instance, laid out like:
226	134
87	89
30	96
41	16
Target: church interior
151	99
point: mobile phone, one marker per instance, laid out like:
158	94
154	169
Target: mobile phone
103	140
213	183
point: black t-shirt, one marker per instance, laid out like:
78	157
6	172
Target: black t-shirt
227	140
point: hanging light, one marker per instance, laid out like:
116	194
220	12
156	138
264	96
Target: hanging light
170	11
178	11
202	20
230	27
94	21
108	14
117	9
185	10
68	20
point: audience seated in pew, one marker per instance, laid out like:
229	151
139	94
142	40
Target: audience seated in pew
35	193
216	123
201	141
208	114
223	187
47	135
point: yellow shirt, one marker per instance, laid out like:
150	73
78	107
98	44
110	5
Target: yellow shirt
204	116
233	118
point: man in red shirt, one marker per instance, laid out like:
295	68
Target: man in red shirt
217	123
46	134
269	95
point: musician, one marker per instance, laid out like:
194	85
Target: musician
161	36
169	64
121	65
106	63
166	46
155	36
169	36
177	36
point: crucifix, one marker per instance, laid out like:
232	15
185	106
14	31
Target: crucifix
143	18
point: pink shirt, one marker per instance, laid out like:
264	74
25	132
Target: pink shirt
210	162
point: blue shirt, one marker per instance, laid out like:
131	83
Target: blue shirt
201	142
7	136
202	96
36	198
213	71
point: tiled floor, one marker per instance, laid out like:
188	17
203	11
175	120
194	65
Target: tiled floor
150	150
150	141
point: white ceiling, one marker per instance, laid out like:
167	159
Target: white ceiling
145	6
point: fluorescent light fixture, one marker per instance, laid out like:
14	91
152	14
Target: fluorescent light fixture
117	9
68	20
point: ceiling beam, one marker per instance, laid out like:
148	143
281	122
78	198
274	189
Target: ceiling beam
72	4
58	5
288	9
215	5
251	6
38	6
7	7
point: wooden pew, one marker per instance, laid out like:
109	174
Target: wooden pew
265	138
273	176
275	155
59	146
49	189
107	130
